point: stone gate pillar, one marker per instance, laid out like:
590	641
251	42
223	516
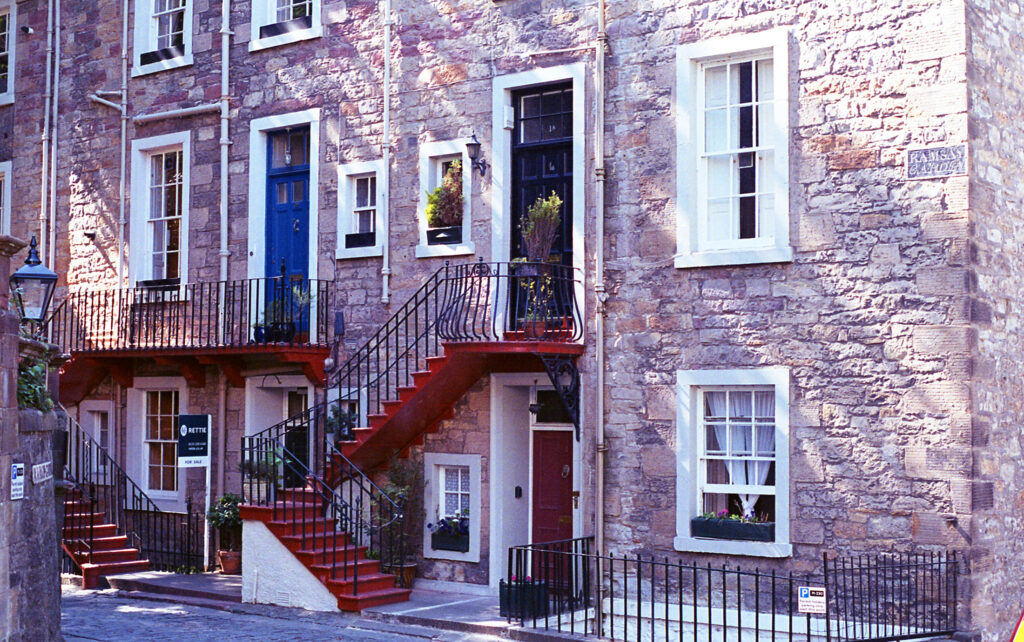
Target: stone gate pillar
29	562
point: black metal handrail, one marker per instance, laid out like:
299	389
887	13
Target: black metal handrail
471	302
169	540
195	315
338	524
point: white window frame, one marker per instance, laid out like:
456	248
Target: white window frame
346	198
144	40
689	384
432	155
137	460
140	242
691	250
7	175
432	464
264	13
11	7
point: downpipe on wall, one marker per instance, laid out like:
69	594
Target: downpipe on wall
47	100
385	271
601	448
55	102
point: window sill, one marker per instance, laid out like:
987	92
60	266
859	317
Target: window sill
733	547
298	35
358	252
462	249
454	556
162	65
7	99
735	256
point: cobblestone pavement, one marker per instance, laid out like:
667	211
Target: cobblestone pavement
111	615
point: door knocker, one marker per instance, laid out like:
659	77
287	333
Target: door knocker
565	471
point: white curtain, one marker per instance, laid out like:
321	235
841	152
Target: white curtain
756	472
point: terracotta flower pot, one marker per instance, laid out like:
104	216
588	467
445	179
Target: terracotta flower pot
230	562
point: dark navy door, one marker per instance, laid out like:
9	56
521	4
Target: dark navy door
288	204
542	161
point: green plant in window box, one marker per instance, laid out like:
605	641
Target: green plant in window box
444	208
726	525
450	533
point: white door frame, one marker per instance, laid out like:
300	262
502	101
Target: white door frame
498	472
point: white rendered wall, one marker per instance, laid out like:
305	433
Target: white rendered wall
272	575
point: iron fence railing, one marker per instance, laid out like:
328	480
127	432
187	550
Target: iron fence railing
897	596
339	524
170	540
195	315
565	587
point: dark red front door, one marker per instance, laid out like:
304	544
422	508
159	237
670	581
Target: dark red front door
552	485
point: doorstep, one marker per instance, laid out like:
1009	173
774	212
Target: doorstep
206	586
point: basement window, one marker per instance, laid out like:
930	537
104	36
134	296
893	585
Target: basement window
280	22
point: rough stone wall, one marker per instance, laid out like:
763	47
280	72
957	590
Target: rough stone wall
871	316
996	101
468	432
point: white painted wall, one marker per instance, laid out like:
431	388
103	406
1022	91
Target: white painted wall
510	436
272	575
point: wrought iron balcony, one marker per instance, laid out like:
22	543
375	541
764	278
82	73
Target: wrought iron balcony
249	313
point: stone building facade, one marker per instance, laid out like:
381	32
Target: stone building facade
874	309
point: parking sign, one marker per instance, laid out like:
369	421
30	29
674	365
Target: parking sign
811	600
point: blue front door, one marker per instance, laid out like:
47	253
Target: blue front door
288	204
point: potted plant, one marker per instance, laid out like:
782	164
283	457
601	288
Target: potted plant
224	517
405	487
450	533
525	599
259	334
280	325
539	228
726	525
444	208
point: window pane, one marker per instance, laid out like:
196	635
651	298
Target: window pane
712	444
282	193
530	106
451	479
464	480
765	126
451	504
719	220
362	192
740	405
765	83
741	83
715	86
716	472
720	176
715	131
741	440
298	191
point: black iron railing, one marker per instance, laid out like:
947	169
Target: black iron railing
898	596
195	315
171	541
563	586
338	524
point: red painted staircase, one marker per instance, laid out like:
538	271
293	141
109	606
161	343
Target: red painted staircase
96	547
299	522
431	398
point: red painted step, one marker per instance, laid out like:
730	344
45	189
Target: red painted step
329	555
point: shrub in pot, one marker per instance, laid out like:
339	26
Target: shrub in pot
225	518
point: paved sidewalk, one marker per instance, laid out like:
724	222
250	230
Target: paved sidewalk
111	615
